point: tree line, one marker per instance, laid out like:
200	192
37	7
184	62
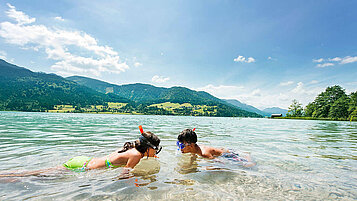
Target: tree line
332	104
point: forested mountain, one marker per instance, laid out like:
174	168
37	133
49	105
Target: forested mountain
246	107
147	94
24	90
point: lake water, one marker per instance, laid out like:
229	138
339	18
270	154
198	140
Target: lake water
296	159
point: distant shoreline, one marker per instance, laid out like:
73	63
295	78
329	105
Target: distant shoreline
312	118
128	114
294	118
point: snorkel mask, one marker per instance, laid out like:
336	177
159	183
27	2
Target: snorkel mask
181	145
144	140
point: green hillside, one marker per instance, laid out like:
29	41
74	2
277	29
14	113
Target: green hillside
145	95
24	90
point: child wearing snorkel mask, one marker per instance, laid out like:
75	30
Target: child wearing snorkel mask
128	157
186	143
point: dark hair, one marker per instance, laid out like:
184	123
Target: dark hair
187	135
141	145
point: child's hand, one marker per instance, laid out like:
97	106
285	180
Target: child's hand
125	174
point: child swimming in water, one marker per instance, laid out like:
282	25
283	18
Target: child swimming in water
187	140
129	156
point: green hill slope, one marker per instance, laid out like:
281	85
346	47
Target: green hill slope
146	94
24	90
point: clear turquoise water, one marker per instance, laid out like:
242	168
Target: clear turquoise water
297	159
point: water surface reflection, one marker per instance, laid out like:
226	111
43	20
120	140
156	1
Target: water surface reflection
297	159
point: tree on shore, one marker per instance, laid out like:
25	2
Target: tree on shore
339	108
352	106
333	103
320	107
295	109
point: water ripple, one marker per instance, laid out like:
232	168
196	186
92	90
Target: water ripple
297	160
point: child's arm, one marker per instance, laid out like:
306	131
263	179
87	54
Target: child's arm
125	174
209	152
132	161
208	155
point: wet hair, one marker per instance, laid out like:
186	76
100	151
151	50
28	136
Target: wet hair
141	145
187	135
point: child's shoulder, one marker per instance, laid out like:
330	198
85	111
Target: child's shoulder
215	151
208	151
130	153
213	148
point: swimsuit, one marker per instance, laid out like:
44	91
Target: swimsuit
109	164
78	163
233	157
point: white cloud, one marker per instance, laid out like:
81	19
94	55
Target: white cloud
239	59
272	59
250	60
160	79
2	55
286	83
324	65
256	92
59	18
349	59
264	98
314	82
352	83
318	60
243	59
61	46
222	91
299	88
245	95
345	60
137	64
18	16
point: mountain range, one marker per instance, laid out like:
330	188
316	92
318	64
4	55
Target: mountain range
24	90
149	94
267	112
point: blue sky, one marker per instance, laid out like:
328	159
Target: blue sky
263	53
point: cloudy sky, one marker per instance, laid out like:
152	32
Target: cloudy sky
261	53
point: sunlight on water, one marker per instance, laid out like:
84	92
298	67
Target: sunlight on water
297	159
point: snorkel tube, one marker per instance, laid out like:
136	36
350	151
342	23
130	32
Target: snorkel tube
141	129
